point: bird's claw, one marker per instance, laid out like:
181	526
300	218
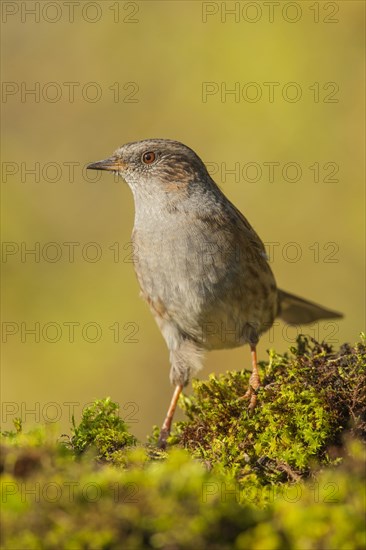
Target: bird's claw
163	436
251	393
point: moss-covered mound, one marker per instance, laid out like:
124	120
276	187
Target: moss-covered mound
289	476
309	400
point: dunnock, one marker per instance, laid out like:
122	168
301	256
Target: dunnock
201	266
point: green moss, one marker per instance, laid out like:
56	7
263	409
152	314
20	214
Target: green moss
175	503
103	430
309	399
289	476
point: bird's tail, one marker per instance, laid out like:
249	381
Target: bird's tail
297	311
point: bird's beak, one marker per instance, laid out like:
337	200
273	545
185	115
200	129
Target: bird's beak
113	164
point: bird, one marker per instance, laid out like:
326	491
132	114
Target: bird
201	267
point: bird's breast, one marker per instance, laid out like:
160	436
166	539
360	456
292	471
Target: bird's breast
203	283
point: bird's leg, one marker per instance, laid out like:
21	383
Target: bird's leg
165	429
254	380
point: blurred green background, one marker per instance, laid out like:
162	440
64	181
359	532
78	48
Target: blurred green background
159	56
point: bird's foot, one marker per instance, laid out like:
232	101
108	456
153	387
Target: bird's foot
163	436
252	391
251	394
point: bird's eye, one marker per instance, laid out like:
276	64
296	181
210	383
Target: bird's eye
148	157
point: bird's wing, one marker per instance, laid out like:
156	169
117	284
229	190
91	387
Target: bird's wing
247	230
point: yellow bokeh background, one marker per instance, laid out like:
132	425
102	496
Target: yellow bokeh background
162	55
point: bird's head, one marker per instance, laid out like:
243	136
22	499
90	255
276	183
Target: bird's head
160	164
